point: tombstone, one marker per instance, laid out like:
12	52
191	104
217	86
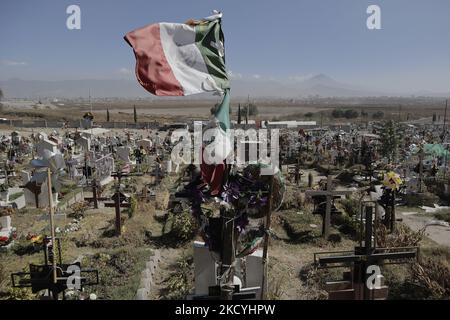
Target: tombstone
375	196
145	143
5	224
6	231
84	143
124	154
204	270
15	138
46	145
36	191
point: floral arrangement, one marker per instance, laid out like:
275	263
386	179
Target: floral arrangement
392	181
244	196
5	240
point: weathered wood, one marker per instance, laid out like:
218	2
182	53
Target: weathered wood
329	193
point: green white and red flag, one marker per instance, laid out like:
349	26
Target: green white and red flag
180	59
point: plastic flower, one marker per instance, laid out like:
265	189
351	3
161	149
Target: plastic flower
392	181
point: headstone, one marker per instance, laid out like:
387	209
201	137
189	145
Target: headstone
84	143
205	269
46	145
124	154
255	269
5	223
145	143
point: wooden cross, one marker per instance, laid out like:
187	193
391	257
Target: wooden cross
95	198
366	254
41	277
119	200
330	194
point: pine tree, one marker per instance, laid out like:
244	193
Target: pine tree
239	114
107	115
135	114
389	141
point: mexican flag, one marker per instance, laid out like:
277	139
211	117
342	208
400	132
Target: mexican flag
213	164
179	59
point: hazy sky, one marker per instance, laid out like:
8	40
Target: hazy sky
283	38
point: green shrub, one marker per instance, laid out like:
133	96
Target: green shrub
184	226
351	206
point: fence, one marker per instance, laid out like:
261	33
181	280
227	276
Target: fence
77	124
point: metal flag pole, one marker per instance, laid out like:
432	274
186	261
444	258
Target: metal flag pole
266	241
52	227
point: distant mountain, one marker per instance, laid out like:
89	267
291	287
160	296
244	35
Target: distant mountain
34	89
316	85
257	87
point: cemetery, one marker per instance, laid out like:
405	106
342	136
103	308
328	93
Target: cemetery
327	202
341	209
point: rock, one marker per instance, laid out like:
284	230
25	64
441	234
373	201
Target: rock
157	256
151	265
146	273
142	294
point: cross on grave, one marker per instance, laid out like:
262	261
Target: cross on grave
366	258
35	188
295	173
95	194
120	200
40	276
329	193
421	155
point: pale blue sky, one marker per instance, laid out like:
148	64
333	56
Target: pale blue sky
282	38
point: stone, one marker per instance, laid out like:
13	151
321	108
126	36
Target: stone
46	145
255	269
5	223
151	265
142	294
124	154
146	273
204	269
157	255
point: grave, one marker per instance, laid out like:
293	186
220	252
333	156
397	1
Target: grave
46	145
330	194
357	284
248	274
53	275
123	153
6	233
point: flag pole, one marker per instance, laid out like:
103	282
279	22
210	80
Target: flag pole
266	242
52	229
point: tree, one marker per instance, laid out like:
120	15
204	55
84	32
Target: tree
239	114
252	110
337	113
107	115
309	115
350	114
135	114
389	141
378	115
